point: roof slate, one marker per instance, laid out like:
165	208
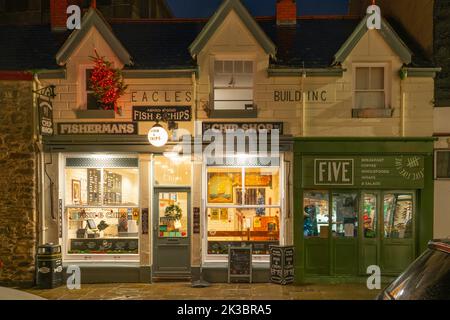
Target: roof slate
160	45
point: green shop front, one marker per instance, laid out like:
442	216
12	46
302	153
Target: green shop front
361	202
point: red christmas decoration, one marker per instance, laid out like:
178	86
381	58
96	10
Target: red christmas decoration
107	83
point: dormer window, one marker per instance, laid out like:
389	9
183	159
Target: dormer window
371	91
91	100
233	85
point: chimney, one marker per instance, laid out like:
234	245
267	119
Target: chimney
58	14
286	12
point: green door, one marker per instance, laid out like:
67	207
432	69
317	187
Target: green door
171	240
398	224
369	230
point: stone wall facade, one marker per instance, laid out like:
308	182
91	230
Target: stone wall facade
18	184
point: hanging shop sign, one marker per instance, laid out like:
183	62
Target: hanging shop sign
158	136
45	108
164	97
146	113
106	128
233	126
404	171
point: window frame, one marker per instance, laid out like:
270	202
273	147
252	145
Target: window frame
64	224
213	80
220	259
436	151
387	83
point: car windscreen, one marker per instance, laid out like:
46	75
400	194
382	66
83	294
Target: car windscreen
427	278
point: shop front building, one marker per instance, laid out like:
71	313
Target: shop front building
361	203
215	143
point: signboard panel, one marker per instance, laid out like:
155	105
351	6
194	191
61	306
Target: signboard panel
152	113
45	117
403	171
106	128
240	263
233	126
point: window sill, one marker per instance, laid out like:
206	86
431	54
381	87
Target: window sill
95	114
372	113
230	114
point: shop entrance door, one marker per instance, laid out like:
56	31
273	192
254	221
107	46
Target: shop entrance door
171	233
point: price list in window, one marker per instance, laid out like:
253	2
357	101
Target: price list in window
94	177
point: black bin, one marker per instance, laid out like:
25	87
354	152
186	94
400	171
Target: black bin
49	267
282	264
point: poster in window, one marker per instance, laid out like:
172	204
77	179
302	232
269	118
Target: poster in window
224	214
76	191
215	214
258	180
220	187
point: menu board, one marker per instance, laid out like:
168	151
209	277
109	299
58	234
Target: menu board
282	264
240	263
94	177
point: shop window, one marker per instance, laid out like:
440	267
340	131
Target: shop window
173	219
398	216
370	215
370	88
233	85
243	208
316	214
102	205
345	214
443	164
172	171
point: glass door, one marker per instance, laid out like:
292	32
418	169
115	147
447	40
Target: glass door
397	243
344	232
171	226
369	248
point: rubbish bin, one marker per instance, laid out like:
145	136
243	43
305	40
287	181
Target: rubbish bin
282	264
49	266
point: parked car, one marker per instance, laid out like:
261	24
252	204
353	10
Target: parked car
427	278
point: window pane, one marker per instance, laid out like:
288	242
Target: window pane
262	187
88	79
370	215
345	215
76	187
233	95
398	216
239	226
173	214
377	78
443	164
238	66
243	80
103	230
120	187
172	172
218	66
370	99
232	105
222	185
248	67
228	66
362	79
316	214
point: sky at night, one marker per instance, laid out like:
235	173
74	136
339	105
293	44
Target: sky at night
205	8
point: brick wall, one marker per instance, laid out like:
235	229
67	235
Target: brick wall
286	12
17	183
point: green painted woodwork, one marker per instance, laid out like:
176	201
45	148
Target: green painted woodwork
333	259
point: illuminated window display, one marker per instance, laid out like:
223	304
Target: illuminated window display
398	216
102	206
243	207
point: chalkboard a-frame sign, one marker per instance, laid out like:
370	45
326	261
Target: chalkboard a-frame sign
239	263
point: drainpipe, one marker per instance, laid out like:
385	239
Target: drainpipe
303	101
403	76
40	201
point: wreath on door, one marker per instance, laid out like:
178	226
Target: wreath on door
173	212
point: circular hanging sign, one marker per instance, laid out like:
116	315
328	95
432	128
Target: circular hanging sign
158	136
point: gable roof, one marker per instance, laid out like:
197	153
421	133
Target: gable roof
163	44
92	19
219	16
388	34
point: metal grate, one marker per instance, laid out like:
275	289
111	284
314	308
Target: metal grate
102	163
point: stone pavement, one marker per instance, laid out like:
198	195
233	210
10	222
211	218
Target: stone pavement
180	291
